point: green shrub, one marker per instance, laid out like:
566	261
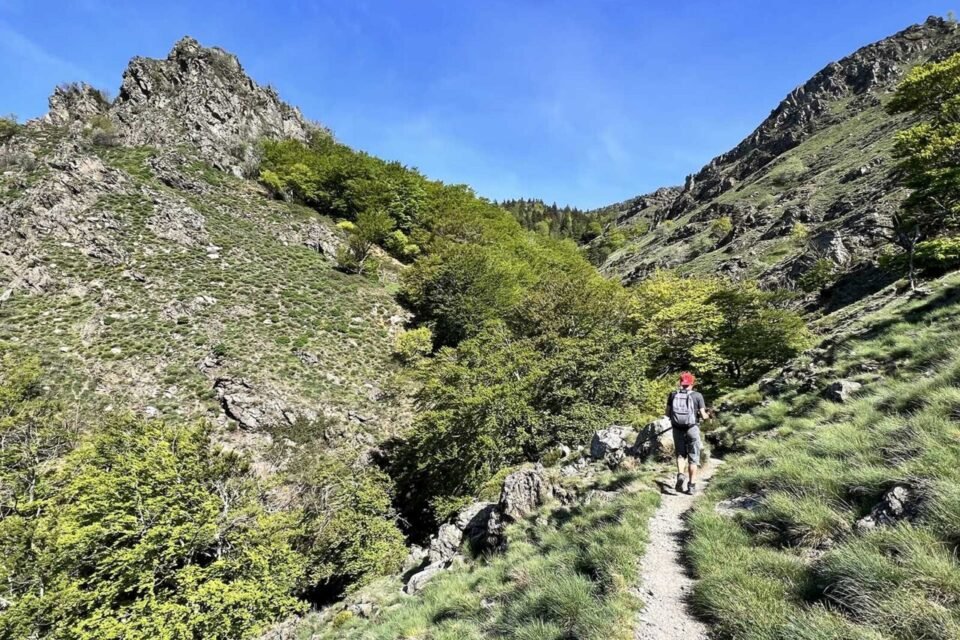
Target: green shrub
8	127
818	277
413	344
146	531
799	234
938	255
400	247
102	131
721	227
349	530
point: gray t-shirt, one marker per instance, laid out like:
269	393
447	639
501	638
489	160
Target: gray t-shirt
695	397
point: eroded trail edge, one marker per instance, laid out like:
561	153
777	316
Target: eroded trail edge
666	584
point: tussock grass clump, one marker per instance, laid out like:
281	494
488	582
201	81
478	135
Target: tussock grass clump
567	573
798	565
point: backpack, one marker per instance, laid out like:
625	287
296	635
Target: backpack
682	409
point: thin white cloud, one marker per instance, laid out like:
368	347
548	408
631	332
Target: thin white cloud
24	51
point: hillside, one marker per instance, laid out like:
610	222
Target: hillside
148	279
254	381
814	181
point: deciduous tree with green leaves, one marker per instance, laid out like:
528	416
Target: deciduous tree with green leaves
928	155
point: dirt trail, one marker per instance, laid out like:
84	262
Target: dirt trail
666	584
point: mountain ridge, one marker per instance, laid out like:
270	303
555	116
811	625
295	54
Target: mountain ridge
820	159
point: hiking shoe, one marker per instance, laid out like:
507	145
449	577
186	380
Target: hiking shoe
692	489
679	485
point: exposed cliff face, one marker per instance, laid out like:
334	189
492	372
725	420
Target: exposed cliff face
820	159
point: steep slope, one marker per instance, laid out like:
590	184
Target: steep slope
841	519
149	280
811	182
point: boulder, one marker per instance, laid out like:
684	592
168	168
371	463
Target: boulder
654	438
416	558
523	491
841	390
445	544
419	580
361	609
473	522
241	402
898	503
610	445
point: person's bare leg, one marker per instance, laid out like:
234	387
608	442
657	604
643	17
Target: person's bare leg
680	465
692	468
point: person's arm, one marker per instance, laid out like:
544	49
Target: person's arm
669	405
704	415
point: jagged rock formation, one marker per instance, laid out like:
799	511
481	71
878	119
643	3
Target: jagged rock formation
820	160
203	96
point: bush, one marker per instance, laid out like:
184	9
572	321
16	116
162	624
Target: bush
369	228
413	344
147	531
938	255
348	530
8	127
400	247
102	132
721	227
799	234
818	277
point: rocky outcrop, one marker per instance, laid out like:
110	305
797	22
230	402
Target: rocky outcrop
202	96
70	103
610	445
524	491
841	390
898	503
242	403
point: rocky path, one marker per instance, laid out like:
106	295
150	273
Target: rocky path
666	583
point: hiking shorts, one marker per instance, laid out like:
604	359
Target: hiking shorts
687	443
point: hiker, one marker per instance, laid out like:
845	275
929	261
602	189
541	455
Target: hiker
685	408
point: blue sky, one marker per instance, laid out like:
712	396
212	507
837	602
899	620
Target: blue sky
585	103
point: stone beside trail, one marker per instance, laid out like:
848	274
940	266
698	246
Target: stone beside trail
666	584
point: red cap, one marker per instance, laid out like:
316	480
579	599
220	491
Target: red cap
687	379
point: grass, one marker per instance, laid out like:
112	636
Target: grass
109	339
567	573
797	566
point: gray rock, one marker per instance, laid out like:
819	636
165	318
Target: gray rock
523	491
361	609
898	503
203	97
841	390
416	558
610	444
445	544
71	103
654	438
733	506
241	402
473	522
419	580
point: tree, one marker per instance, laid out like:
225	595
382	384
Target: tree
928	155
370	228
